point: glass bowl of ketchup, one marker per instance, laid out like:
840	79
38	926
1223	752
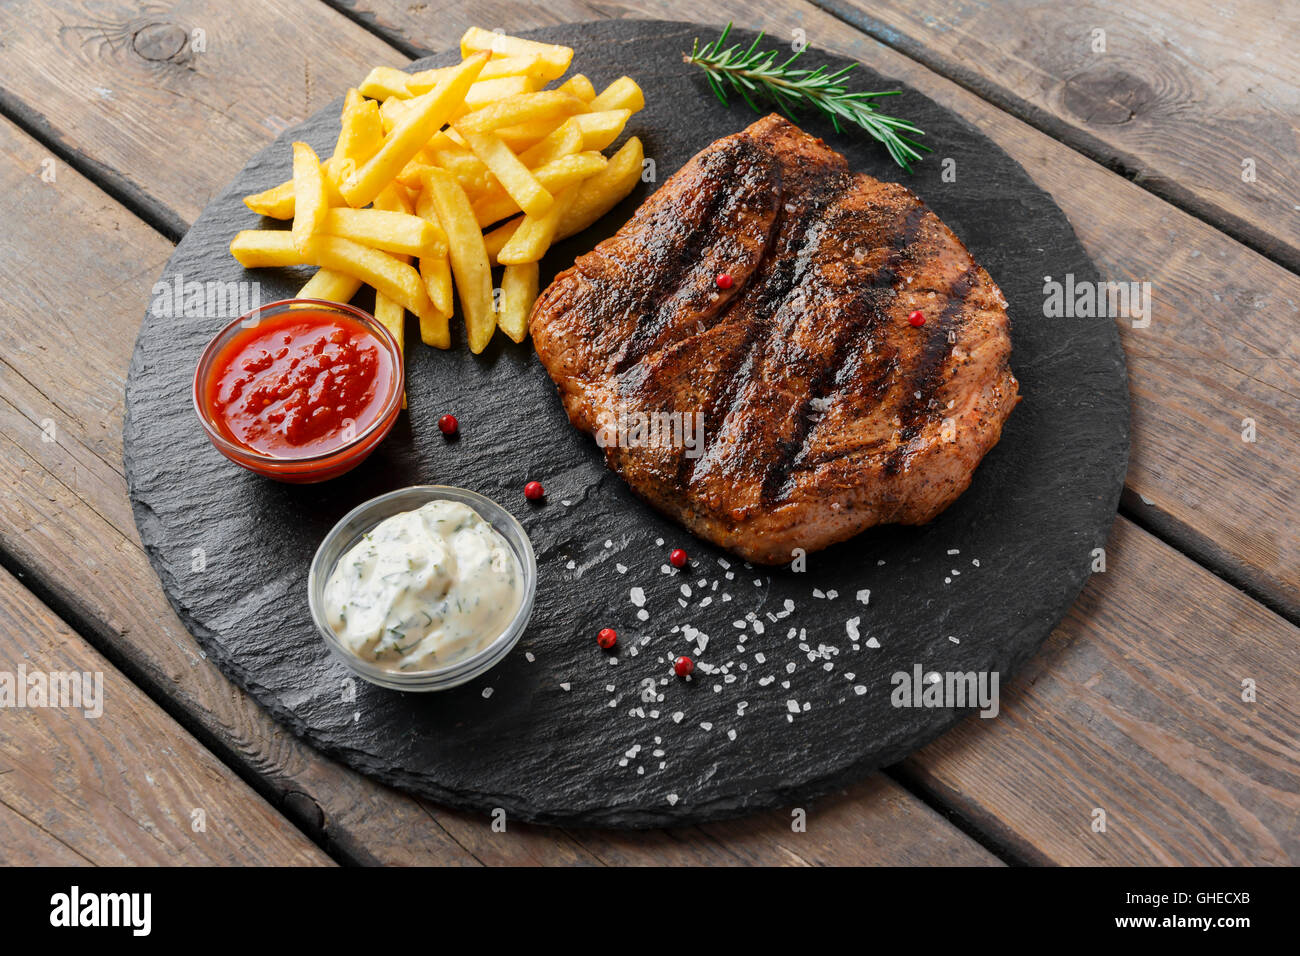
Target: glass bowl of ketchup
300	390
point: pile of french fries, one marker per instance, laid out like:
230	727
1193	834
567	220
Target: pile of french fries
448	173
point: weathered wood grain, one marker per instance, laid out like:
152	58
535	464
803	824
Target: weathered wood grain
65	517
1180	96
172	98
1134	707
125	786
1191	350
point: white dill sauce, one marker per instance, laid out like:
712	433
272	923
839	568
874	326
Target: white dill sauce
424	589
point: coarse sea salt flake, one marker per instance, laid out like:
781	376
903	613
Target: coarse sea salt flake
865	595
487	692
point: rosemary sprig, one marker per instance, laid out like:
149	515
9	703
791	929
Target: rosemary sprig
751	72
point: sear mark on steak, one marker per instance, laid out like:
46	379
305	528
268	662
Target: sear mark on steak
825	411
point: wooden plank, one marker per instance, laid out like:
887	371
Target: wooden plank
1222	340
65	517
1182	94
1046	159
108	777
170	101
1134	707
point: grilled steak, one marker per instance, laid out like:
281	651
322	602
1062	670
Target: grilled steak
825	411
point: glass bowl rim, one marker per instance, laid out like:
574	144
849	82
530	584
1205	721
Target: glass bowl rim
362	440
452	675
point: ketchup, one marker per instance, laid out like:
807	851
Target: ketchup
299	384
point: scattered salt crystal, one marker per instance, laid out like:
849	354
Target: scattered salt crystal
953	639
859	689
487	692
792	706
643	615
686	590
677	717
954	551
706	725
621	568
818	593
865	595
731	735
528	655
638	596
851	626
832	594
872	642
672	799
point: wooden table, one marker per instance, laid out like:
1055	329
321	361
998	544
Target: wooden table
1173	151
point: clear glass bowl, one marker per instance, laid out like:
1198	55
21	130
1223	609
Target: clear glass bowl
311	468
362	519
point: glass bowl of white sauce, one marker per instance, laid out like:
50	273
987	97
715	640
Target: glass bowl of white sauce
424	588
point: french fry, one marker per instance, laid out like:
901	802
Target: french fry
310	202
435	269
412	174
476	39
385	81
530	66
392	316
622	94
483	92
468	256
518	293
496	240
359	137
565	140
267	248
469	170
523	135
600	129
360	130
579	86
428	113
396	232
392	111
554	176
387	273
602	192
531	196
392	198
331	286
276	202
520	109
534	235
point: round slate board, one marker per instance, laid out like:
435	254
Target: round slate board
561	731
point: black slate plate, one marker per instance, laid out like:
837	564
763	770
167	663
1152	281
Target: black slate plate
552	742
